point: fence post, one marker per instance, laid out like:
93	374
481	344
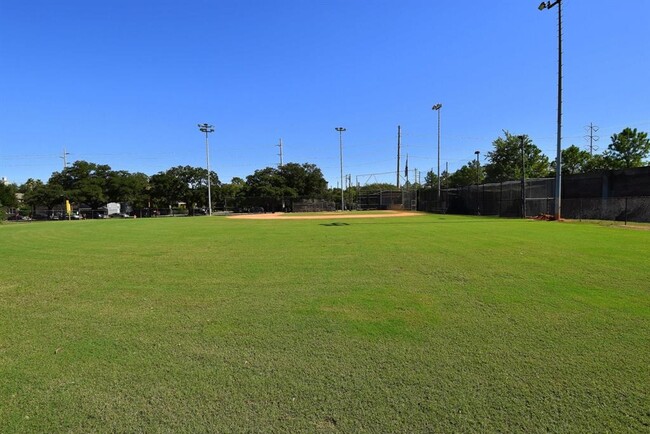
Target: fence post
500	196
580	211
626	211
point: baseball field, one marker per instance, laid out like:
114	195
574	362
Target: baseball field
425	323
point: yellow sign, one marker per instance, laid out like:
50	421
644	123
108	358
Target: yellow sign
68	208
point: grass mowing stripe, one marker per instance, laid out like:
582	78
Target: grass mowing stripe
431	323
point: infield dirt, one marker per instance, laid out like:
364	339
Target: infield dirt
333	215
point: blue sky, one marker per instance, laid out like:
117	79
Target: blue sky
125	82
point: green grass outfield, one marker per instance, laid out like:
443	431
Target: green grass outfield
419	324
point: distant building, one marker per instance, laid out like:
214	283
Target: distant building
4	181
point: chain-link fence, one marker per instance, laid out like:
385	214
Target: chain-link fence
636	209
506	199
402	199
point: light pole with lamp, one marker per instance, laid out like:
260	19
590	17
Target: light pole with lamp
206	128
437	108
340	130
478	181
558	157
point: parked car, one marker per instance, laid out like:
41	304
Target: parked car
94	215
120	215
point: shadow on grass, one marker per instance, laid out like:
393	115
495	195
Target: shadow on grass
335	224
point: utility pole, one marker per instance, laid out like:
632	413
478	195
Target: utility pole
279	145
64	156
592	129
399	146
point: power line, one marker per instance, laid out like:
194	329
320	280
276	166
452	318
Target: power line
279	145
592	137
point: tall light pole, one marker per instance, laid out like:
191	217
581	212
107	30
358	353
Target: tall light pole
523	176
207	129
558	157
478	181
437	108
340	130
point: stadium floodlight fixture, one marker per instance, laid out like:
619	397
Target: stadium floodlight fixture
558	157
340	130
207	128
437	108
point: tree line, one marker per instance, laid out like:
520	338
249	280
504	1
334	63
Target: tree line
272	189
627	149
94	185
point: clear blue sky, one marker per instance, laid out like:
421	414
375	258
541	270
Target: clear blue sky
124	82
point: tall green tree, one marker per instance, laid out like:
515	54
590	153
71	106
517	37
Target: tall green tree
431	179
270	188
469	174
265	188
132	188
84	183
8	195
232	194
28	190
303	180
183	184
596	162
628	149
574	160
505	159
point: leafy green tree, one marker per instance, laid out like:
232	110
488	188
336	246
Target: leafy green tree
166	190
8	195
132	188
28	189
48	195
628	149
84	183
183	184
373	188
505	159
574	160
302	180
467	175
431	179
232	194
596	162
272	188
265	188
